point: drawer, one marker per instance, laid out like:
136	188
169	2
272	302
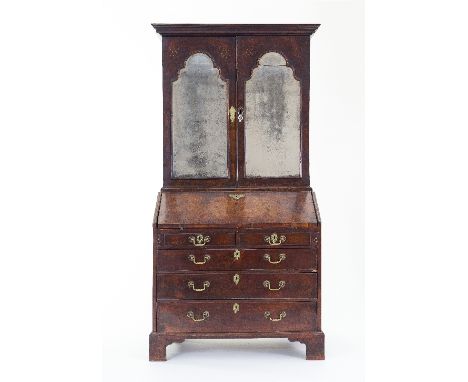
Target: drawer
219	285
236	316
276	239
172	260
199	239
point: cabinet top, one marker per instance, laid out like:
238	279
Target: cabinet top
234	29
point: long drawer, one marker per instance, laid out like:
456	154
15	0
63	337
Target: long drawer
235	316
219	285
236	259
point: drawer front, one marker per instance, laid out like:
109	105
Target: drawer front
236	259
198	239
236	316
217	285
276	239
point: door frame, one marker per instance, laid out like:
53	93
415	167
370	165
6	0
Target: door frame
296	51
176	51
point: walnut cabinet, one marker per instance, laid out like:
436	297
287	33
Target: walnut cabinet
237	245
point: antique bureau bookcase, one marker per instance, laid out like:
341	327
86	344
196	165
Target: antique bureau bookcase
236	228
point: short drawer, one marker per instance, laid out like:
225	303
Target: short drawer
220	285
236	316
276	239
199	239
172	260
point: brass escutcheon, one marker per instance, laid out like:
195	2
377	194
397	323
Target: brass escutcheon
236	196
232	114
237	254
235	308
236	279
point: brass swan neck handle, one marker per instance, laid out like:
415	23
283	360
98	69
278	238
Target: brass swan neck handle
281	257
274	239
199	240
280	317
193	259
191	285
205	315
267	285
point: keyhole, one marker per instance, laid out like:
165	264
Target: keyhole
240	114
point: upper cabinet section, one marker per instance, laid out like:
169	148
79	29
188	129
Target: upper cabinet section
236	105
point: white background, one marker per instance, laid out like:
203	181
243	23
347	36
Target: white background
336	140
80	154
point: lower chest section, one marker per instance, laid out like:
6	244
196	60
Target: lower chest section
217	280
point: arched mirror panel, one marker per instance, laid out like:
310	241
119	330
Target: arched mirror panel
272	120
199	121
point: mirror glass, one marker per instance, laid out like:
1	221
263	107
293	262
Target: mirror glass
272	120
199	121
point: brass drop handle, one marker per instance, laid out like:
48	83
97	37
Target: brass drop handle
281	316
274	239
282	256
191	284
194	260
267	284
199	240
240	113
206	314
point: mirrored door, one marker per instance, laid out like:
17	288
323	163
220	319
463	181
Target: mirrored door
272	96
199	86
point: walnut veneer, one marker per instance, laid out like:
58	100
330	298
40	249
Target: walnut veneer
237	253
